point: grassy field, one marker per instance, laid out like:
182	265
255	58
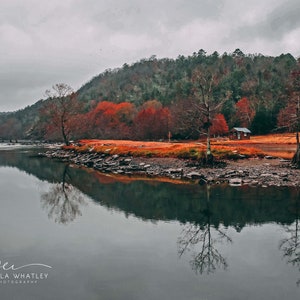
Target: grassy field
280	145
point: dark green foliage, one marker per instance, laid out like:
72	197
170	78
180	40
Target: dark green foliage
168	80
263	122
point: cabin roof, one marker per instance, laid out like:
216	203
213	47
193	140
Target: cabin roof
242	129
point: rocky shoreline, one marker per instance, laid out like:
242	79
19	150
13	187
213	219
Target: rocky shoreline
268	171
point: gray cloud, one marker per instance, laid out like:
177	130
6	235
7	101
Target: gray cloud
284	19
274	26
45	42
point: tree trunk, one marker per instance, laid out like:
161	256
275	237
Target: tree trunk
66	141
296	157
209	156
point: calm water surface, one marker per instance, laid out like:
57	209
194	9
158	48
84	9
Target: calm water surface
71	233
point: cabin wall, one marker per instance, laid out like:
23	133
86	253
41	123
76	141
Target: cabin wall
238	135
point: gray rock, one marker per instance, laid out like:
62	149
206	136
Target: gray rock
125	162
236	181
174	171
266	175
195	175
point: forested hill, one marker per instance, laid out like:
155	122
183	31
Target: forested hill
261	80
168	80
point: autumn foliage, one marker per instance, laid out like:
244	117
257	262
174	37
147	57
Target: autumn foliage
219	126
151	123
244	112
108	120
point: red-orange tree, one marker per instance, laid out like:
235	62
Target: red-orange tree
219	125
110	120
152	122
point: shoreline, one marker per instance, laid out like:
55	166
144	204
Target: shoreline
267	171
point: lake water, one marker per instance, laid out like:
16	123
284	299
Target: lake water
73	233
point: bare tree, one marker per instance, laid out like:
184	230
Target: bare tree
209	102
60	111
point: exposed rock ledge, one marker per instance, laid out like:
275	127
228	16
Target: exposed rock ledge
265	172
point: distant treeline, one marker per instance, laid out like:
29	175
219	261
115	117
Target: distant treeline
152	97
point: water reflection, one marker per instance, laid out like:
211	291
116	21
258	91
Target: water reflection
141	229
63	200
153	200
290	246
203	240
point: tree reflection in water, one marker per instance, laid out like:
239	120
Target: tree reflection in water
63	200
205	238
290	246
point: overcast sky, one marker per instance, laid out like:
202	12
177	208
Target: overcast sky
45	42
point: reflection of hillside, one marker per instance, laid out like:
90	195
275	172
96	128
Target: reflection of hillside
26	160
165	201
186	203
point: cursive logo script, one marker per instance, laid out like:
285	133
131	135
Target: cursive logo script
5	266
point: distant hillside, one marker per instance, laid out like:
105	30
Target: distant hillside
261	79
18	124
169	79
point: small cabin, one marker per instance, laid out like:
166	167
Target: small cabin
240	133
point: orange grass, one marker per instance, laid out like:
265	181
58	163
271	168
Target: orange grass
278	145
282	154
279	138
188	150
137	148
221	148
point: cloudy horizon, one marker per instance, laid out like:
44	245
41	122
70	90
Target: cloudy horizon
71	41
